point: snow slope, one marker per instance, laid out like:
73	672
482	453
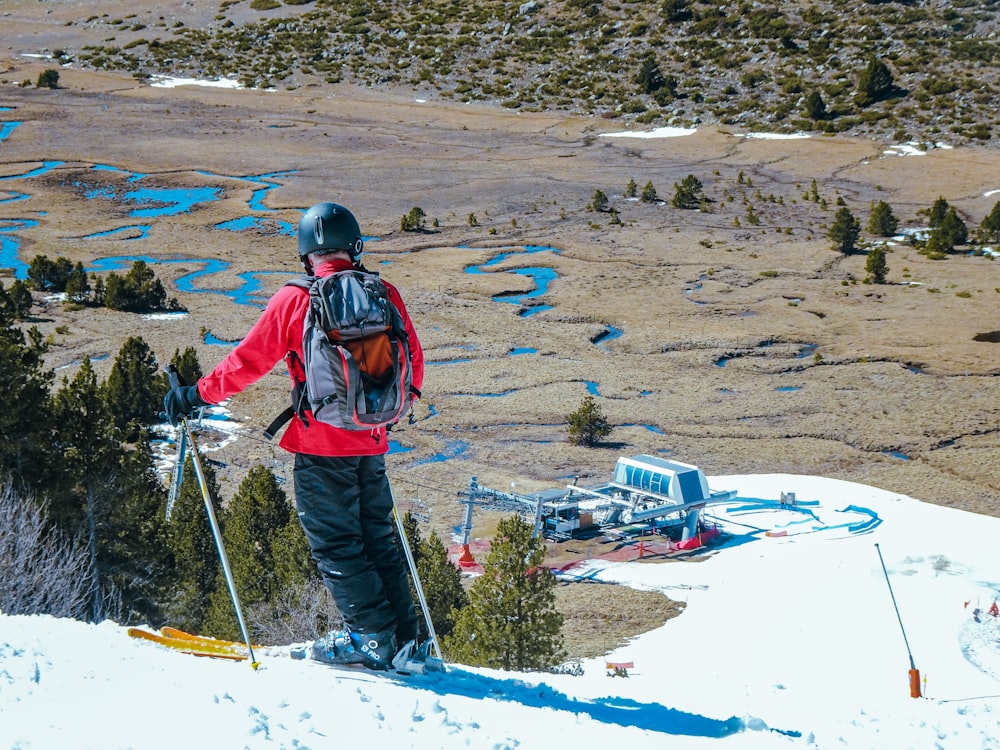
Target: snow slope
787	641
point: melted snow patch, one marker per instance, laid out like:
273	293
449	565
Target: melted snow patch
912	148
167	82
165	316
904	149
774	136
657	133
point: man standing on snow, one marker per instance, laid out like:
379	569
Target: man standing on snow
342	492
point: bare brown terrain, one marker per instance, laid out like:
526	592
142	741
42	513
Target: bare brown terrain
743	349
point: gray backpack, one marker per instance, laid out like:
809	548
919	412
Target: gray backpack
356	354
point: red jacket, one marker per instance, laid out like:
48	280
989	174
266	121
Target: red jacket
279	332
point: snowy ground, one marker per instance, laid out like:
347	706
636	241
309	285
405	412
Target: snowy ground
787	641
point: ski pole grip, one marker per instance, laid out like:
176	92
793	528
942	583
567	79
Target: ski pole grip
171	371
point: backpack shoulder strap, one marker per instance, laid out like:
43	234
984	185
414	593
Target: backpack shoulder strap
279	421
302	281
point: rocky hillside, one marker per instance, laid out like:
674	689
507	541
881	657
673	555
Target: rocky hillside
909	70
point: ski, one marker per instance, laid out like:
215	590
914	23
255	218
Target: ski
195	645
407	662
204	640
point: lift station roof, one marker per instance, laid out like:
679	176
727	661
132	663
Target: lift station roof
680	482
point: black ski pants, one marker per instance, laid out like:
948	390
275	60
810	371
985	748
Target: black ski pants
345	506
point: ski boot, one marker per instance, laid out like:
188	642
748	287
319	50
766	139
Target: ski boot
347	648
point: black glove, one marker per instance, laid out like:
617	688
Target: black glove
181	401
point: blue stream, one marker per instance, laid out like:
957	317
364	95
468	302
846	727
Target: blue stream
157	202
6	128
153	202
541	276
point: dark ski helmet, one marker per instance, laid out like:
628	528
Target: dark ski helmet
330	226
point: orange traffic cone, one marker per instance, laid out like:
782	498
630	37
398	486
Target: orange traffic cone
466	560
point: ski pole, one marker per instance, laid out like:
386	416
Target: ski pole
416	579
213	522
914	672
178	478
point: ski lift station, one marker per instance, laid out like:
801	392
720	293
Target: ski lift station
646	495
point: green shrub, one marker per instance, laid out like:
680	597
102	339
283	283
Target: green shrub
48	79
588	425
688	193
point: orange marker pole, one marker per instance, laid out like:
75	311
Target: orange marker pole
914	672
914	683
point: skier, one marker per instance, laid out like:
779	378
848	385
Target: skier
342	492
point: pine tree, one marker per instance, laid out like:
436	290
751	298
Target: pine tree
117	295
882	222
845	231
413	536
876	265
815	106
110	495
688	193
413	221
600	201
39	270
989	229
78	286
88	441
649	78
874	84
442	585
588	425
19	299
138	291
949	233
99	291
146	290
265	554
134	389
937	213
48	79
632	190
511	621
675	11
49	275
293	563
954	228
648	193
26	453
133	549
415	542
196	564
250	522
301	607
